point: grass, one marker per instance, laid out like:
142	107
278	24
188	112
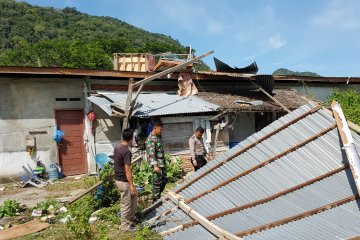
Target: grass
102	230
83	183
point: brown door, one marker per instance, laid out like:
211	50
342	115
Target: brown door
71	148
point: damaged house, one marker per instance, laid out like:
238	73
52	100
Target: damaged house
36	101
297	178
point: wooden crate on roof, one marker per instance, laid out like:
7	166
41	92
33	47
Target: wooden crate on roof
133	62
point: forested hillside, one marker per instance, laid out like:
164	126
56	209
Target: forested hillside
49	37
287	72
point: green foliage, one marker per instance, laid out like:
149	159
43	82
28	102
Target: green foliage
49	37
44	205
350	103
145	233
173	168
80	211
287	72
109	214
141	173
10	208
107	194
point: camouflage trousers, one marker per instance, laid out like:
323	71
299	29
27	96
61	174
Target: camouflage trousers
159	181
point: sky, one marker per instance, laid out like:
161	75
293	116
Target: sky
321	36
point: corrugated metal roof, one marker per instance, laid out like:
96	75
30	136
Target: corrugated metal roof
103	103
311	160
159	104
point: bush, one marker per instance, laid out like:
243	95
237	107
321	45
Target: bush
142	172
174	170
107	194
80	212
350	103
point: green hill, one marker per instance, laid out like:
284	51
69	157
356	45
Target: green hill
50	37
287	72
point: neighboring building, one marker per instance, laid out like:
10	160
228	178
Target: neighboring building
34	100
291	180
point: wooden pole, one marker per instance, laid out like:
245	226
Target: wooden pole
127	105
271	97
211	227
217	127
348	142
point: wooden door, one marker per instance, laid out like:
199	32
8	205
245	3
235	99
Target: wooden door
71	148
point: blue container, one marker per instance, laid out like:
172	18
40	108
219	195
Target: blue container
53	172
233	144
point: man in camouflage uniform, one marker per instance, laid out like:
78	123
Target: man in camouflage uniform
156	159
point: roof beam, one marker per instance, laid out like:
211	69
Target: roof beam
271	197
262	164
297	217
311	111
211	227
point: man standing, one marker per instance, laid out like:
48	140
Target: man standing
197	149
124	181
156	159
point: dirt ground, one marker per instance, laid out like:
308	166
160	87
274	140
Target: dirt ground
62	188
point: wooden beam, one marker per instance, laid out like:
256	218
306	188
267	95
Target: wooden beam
279	194
271	197
211	227
271	97
287	151
297	217
23	229
127	105
348	142
86	192
311	111
170	70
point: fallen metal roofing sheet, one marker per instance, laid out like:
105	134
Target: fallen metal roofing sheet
158	104
321	155
103	103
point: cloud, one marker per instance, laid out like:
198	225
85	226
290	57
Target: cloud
214	27
276	41
337	14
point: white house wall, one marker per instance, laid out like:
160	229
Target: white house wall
320	91
29	105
